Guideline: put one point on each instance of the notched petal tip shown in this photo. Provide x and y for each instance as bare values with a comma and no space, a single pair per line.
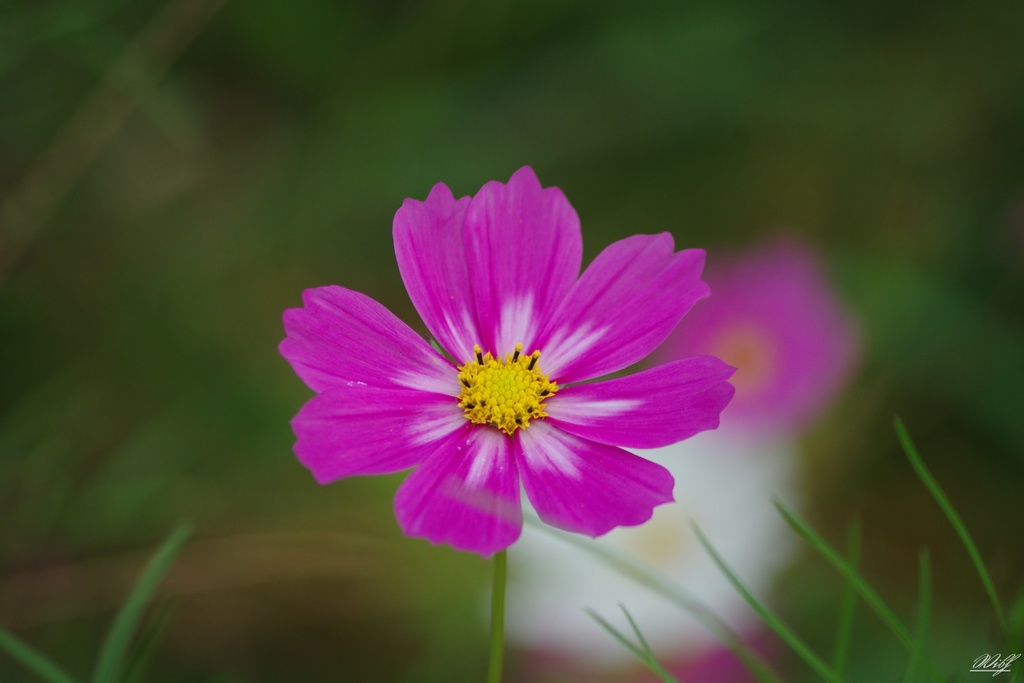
307,460
525,175
440,200
440,193
712,366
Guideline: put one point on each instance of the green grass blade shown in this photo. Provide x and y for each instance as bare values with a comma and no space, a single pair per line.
642,652
844,630
147,644
652,661
655,581
35,662
924,588
773,622
866,592
616,634
954,519
111,661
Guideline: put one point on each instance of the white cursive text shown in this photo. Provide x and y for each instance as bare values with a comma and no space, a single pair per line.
994,664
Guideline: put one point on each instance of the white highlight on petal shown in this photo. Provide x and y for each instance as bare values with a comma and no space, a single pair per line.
546,451
518,323
564,346
462,333
444,382
483,463
486,447
579,410
428,429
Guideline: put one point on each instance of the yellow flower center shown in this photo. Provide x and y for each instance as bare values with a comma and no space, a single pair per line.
504,394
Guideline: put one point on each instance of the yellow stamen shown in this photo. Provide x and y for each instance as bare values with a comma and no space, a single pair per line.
504,394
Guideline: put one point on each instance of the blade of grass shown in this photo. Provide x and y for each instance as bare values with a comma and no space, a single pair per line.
652,661
844,630
642,653
148,641
653,580
794,642
616,634
947,507
865,591
849,573
35,662
924,597
111,660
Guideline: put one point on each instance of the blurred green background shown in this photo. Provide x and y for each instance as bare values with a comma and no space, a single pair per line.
174,174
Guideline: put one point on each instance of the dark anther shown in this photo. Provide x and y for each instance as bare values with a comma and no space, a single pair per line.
471,405
466,383
479,358
544,392
533,361
515,356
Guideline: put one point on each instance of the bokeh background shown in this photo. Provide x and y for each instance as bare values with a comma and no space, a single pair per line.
174,173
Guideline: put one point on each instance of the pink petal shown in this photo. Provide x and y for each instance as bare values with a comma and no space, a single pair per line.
587,487
650,409
466,494
361,429
525,248
344,338
626,303
432,261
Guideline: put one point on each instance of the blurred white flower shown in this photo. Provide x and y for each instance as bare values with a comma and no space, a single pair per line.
725,486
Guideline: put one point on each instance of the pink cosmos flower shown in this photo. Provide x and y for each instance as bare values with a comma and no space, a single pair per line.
496,280
777,319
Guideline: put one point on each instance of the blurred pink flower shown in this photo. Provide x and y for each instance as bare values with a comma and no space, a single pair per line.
774,317
496,280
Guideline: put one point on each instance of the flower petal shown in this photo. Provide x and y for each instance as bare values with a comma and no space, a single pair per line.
587,487
466,494
343,338
626,303
524,248
361,429
432,261
649,409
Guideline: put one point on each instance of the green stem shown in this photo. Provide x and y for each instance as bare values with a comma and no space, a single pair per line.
497,619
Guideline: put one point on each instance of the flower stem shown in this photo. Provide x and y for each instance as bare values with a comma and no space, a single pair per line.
497,619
